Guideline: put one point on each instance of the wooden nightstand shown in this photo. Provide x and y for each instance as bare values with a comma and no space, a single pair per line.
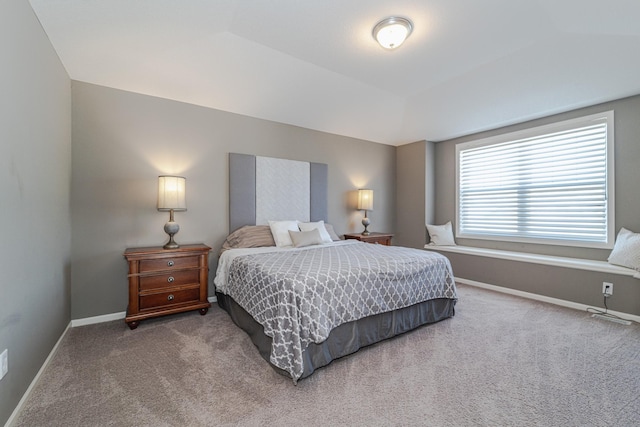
167,281
378,238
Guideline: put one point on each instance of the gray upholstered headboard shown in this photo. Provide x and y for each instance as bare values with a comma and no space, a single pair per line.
266,188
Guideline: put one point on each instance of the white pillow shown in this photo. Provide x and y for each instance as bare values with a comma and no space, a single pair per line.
305,238
308,226
441,235
280,232
626,251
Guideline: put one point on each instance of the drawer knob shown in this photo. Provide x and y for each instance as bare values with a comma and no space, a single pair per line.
170,263
170,279
170,297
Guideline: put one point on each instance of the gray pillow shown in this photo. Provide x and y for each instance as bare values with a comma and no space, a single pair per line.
331,232
319,225
305,238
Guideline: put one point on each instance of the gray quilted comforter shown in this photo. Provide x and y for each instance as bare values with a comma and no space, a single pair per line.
300,295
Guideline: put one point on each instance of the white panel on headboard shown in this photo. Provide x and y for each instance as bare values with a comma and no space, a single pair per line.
282,190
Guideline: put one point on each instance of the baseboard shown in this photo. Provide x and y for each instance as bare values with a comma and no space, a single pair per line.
98,319
537,297
113,316
27,393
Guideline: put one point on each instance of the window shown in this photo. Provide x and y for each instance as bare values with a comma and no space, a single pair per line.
551,184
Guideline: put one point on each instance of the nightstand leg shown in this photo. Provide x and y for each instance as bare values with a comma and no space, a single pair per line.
203,311
133,325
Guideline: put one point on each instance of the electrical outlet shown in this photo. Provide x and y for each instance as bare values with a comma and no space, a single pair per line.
607,289
4,363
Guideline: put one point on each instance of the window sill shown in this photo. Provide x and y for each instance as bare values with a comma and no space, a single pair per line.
576,263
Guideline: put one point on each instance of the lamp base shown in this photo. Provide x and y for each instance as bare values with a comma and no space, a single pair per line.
365,222
171,228
171,244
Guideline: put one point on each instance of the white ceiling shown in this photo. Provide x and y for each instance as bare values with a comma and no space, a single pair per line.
470,65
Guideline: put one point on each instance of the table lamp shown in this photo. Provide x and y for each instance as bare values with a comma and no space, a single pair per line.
172,197
365,203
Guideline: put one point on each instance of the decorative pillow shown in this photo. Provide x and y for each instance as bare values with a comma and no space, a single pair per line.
249,236
331,232
280,231
441,235
306,238
626,251
308,226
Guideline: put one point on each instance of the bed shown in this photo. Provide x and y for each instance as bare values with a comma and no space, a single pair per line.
319,298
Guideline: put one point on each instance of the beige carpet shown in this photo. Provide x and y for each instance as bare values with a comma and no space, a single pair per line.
501,361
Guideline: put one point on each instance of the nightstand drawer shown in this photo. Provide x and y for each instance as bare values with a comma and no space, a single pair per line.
169,298
149,265
173,278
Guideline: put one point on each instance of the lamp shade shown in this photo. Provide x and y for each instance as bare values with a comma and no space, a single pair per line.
365,200
172,193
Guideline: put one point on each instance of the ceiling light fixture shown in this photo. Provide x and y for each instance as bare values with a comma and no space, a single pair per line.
392,32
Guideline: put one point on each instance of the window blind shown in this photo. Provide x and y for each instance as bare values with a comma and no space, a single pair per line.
549,187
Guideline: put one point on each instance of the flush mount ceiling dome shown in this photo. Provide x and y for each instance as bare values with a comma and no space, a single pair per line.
392,32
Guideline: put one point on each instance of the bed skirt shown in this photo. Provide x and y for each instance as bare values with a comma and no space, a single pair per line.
348,337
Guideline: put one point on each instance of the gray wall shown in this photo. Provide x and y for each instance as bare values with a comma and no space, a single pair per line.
582,288
122,141
415,193
35,174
